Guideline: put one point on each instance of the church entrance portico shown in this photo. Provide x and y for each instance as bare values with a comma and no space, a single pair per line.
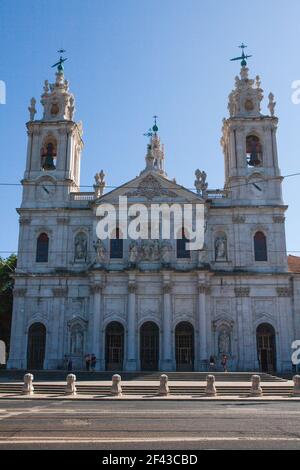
266,348
114,346
36,346
184,346
149,346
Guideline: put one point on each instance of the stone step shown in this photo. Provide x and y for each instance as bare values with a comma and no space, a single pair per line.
45,375
53,389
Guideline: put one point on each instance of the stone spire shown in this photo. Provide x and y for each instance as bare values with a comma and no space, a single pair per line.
245,99
155,151
57,101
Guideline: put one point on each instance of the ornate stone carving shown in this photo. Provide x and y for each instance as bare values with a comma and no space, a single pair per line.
132,287
133,253
116,388
278,219
149,187
59,291
28,388
71,385
167,288
96,288
224,341
256,390
210,389
200,183
19,291
271,104
163,389
100,250
204,289
32,109
238,219
242,291
166,253
284,291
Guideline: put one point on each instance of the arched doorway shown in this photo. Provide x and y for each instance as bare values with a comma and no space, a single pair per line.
266,347
36,346
184,345
114,346
149,346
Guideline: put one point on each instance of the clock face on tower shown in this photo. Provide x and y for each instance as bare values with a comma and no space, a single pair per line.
257,188
45,190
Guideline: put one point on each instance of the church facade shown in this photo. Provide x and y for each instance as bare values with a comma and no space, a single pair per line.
151,304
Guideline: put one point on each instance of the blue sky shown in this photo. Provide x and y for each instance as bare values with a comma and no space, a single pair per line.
130,59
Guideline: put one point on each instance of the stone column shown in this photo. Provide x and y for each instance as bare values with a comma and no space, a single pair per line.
131,362
97,345
17,355
55,350
167,362
203,353
247,359
285,336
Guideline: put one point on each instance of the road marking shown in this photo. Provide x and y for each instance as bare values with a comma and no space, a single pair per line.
112,440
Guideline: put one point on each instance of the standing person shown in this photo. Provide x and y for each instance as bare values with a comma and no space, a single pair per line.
87,362
93,362
66,362
212,363
224,362
70,364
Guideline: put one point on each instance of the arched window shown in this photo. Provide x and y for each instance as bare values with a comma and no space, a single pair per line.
42,248
182,252
116,245
260,247
48,154
253,150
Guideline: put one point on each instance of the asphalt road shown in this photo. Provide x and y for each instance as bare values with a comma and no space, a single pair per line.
28,424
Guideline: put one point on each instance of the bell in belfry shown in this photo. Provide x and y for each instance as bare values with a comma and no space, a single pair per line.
48,157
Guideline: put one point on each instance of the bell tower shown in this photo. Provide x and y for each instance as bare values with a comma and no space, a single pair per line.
54,144
249,143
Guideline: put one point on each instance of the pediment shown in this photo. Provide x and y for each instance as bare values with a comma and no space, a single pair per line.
151,187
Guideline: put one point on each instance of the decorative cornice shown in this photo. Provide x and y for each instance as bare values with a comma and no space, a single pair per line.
19,291
284,291
278,219
242,291
59,291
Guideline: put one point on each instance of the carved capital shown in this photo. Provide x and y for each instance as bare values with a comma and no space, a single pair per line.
167,288
284,291
203,289
24,220
60,291
132,287
96,288
278,219
19,291
242,291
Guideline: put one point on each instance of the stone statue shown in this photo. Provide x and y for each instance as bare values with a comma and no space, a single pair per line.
163,389
221,248
146,250
133,252
296,388
32,109
46,87
210,389
116,388
256,389
99,183
200,182
224,342
100,251
166,253
271,104
155,252
80,247
202,256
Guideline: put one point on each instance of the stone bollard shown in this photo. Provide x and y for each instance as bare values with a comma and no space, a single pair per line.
116,388
256,390
71,387
296,389
163,388
27,388
210,389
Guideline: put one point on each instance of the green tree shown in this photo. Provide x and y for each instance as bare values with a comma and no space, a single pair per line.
7,268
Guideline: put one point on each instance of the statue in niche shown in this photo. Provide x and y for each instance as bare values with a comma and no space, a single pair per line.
221,248
224,342
77,341
100,251
146,250
133,252
80,247
155,252
166,253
